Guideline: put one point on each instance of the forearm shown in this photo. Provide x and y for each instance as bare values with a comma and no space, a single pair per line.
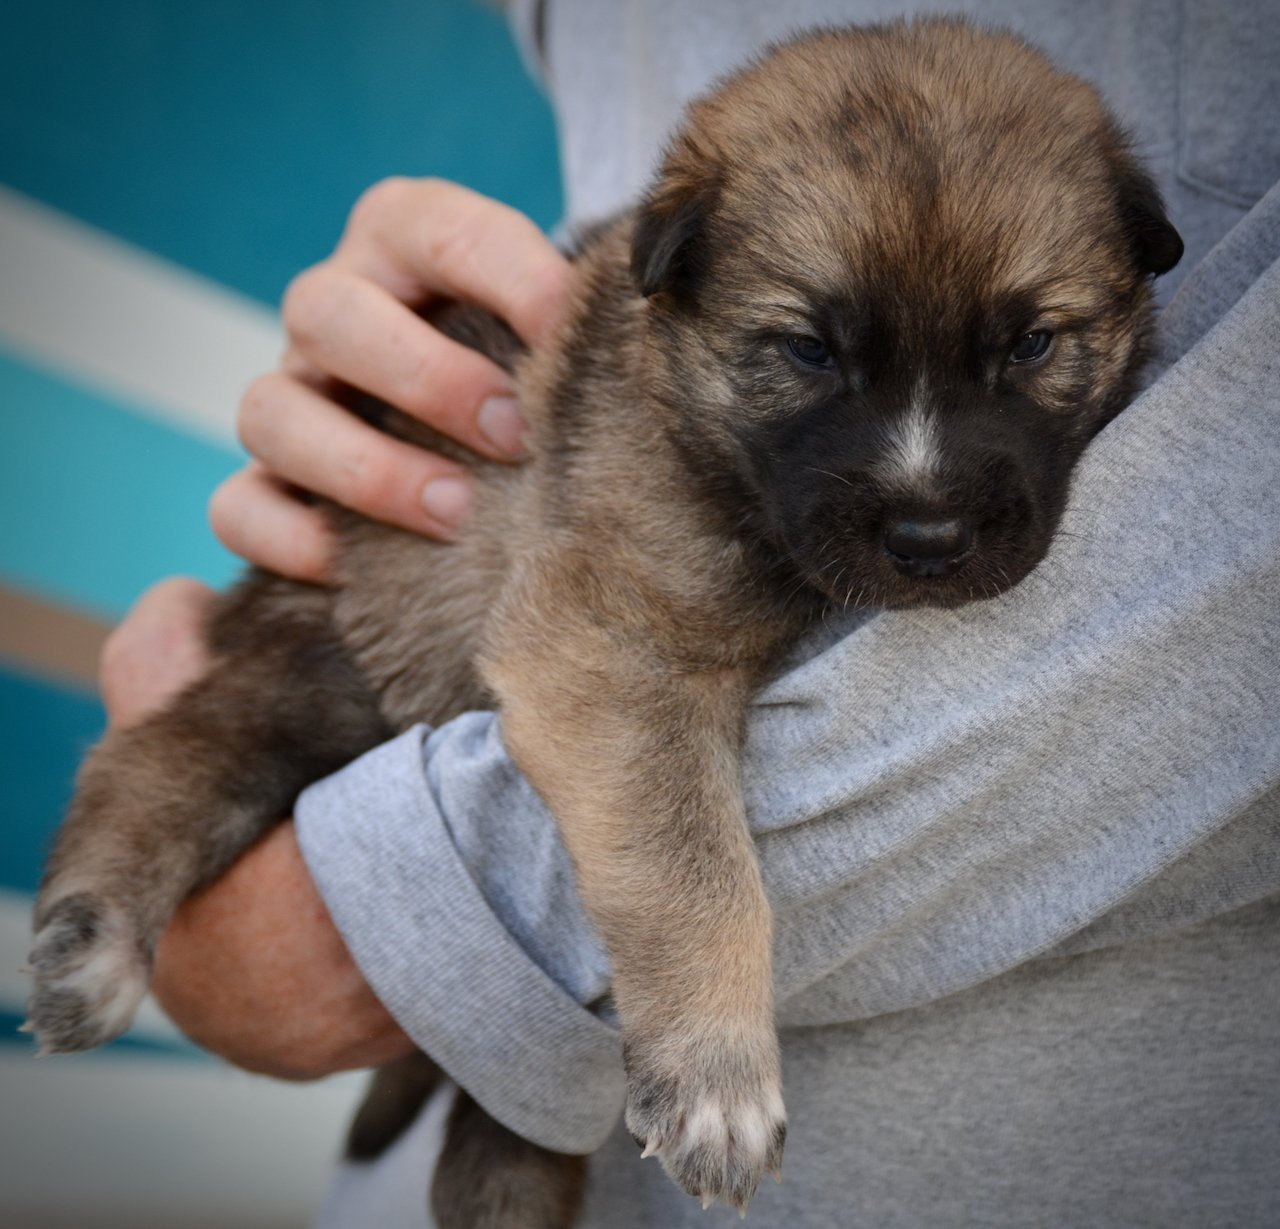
937,796
254,970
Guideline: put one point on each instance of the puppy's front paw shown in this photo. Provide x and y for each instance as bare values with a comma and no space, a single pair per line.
91,970
715,1120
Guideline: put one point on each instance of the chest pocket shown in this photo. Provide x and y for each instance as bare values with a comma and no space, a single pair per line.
1229,104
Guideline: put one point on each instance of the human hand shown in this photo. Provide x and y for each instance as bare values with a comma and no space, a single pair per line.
252,967
350,321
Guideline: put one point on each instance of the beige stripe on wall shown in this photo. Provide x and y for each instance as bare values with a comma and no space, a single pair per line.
120,320
48,639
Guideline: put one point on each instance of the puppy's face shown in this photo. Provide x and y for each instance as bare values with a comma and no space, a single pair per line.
897,280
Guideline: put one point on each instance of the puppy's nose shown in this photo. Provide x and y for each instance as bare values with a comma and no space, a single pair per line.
927,548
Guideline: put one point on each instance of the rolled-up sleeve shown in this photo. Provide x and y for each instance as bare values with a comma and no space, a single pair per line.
491,986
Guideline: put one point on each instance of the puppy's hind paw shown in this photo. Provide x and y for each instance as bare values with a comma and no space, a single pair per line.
90,970
714,1145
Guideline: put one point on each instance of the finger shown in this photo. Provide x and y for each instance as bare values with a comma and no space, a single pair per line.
254,515
349,327
422,237
306,439
157,650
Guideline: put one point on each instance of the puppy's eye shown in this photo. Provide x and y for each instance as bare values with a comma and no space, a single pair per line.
1031,346
811,351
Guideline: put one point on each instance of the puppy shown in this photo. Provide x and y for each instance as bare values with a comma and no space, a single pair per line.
886,287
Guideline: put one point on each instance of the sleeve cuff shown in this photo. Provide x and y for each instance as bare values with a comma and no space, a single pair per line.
387,867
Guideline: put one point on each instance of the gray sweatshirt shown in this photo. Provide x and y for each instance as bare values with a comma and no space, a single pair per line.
1023,856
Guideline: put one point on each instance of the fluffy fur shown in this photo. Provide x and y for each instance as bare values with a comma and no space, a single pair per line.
886,287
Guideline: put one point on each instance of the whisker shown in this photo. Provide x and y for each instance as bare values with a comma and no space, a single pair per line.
829,474
1052,575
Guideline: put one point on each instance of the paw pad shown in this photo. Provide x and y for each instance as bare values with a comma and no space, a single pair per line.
714,1145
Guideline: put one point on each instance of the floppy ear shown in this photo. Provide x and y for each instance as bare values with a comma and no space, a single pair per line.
1156,246
668,246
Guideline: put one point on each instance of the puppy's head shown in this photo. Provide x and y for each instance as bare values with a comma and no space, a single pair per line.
897,278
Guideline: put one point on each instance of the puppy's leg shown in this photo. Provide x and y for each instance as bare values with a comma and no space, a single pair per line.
486,1177
165,807
490,1178
396,1094
640,765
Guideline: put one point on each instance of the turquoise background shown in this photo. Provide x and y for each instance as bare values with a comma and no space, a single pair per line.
97,501
47,728
232,137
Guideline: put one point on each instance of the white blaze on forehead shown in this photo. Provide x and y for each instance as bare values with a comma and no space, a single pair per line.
912,456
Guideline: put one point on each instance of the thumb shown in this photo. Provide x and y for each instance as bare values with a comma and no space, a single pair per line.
156,651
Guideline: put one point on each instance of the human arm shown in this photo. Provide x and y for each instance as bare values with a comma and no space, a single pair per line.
937,796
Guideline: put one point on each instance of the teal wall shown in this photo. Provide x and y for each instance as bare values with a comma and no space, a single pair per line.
96,500
48,726
232,137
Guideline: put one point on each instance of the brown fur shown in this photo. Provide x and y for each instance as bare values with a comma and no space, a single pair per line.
916,197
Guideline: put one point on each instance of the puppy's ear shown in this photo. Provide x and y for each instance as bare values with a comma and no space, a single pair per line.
1156,245
668,246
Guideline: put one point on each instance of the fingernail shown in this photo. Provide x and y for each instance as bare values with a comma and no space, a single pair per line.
502,424
448,501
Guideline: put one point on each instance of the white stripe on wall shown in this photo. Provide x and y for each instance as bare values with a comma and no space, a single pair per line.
128,324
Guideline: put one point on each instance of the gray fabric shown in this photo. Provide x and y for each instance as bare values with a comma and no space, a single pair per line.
1020,854
1134,1088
